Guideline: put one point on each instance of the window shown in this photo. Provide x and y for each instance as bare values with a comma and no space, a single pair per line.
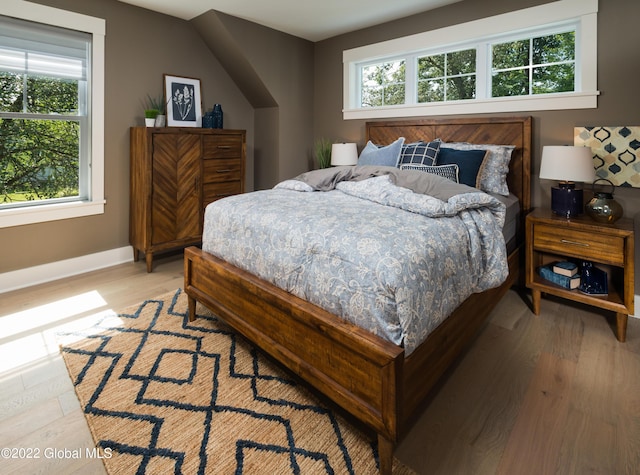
51,138
533,59
538,65
43,114
447,76
383,84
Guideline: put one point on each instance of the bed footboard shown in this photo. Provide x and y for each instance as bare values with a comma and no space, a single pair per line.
360,372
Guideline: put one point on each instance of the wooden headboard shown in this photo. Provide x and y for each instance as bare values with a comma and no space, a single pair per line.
479,130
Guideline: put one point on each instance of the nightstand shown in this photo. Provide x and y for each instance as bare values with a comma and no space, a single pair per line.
550,237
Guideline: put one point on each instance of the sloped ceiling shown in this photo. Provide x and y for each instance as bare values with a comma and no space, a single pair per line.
313,20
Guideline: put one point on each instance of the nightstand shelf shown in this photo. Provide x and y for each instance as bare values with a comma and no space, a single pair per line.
551,238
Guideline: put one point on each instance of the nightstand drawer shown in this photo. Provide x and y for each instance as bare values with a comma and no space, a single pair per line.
581,244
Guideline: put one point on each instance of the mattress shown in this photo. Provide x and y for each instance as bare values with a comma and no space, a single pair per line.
511,219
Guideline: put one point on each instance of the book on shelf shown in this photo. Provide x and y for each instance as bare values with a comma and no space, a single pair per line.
546,272
567,268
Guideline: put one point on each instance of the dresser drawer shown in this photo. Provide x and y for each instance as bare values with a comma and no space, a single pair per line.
222,146
215,191
227,169
580,244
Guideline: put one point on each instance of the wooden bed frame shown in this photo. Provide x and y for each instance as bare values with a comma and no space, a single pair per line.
365,375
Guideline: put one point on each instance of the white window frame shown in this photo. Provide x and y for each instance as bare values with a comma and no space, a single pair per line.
582,12
96,27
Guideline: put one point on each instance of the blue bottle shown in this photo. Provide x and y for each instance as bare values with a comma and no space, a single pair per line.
207,120
217,116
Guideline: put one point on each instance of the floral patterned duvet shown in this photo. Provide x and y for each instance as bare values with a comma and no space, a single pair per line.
389,260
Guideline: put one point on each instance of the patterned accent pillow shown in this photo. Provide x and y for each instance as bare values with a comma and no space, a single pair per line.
422,153
470,162
387,156
493,178
446,171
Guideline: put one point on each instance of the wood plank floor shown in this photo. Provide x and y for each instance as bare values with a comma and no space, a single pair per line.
553,394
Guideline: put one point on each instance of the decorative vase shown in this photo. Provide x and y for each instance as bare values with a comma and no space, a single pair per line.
602,207
207,120
150,121
217,116
161,120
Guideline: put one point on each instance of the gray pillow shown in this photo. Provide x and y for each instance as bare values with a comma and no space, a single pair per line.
387,156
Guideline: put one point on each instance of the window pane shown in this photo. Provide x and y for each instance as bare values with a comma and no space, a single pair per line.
554,48
461,88
394,94
431,67
52,96
510,83
431,91
11,92
39,160
555,78
514,54
440,77
383,84
371,96
461,62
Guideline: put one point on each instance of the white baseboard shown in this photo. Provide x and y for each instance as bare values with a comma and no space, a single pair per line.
79,265
57,270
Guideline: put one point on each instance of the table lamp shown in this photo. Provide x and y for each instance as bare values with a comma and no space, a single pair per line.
344,154
567,165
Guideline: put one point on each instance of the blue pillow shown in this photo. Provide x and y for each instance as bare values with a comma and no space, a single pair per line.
387,156
421,153
446,171
469,162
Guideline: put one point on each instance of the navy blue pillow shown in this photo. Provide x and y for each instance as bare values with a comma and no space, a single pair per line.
469,163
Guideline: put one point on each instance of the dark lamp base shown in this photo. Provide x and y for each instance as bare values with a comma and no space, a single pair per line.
566,200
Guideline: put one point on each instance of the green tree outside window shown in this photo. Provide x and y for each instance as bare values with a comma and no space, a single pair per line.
447,77
39,151
540,65
383,84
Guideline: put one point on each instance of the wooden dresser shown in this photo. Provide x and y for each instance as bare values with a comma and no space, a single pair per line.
175,174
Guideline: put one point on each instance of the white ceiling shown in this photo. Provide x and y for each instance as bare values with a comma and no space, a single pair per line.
313,20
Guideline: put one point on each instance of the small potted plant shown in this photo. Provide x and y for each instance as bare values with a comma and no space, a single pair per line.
323,153
154,115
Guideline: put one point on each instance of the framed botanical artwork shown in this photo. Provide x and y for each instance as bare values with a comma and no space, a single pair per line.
184,101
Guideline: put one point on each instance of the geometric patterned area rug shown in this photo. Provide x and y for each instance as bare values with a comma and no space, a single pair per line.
165,395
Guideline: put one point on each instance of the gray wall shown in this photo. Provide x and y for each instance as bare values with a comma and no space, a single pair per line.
141,46
263,79
618,72
275,71
285,92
